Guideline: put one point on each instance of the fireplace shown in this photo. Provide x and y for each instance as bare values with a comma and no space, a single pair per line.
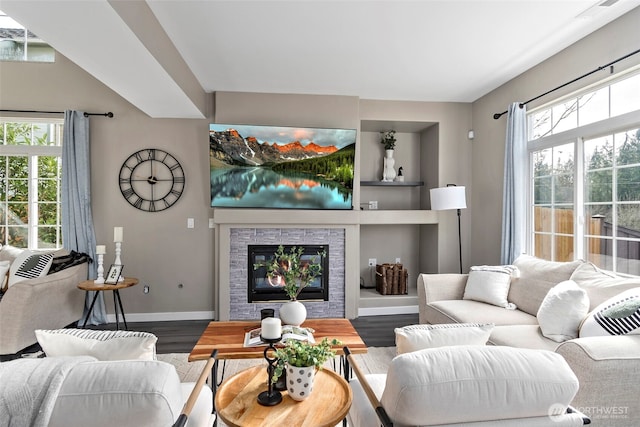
261,288
240,238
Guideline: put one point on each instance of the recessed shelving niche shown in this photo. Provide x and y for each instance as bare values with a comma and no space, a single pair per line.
402,226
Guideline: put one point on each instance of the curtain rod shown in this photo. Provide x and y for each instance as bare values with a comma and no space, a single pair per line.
610,64
109,114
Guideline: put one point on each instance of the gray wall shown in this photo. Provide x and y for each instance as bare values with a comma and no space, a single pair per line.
158,248
609,43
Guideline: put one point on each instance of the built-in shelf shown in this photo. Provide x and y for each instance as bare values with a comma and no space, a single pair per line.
391,183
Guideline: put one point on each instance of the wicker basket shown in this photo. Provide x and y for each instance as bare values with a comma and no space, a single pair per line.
391,279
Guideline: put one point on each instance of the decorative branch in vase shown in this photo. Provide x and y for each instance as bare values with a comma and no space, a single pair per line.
388,139
293,273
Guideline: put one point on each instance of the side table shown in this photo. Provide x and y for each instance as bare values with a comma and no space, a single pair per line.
90,285
236,401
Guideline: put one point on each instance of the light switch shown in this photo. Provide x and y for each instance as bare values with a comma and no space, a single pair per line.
212,223
190,223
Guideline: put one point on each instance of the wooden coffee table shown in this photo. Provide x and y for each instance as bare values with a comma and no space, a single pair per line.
228,338
237,402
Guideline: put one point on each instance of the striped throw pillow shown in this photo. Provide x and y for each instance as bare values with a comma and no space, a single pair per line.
619,315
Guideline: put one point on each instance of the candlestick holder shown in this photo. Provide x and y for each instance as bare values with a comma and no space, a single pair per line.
270,397
117,260
100,279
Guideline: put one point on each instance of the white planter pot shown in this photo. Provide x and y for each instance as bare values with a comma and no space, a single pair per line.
300,381
293,313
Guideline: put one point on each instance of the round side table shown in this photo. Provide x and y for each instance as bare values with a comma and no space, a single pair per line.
236,401
91,286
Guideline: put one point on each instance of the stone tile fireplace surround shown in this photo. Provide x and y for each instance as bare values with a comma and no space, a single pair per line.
240,238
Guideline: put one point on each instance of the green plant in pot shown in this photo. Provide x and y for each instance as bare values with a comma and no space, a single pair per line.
300,360
291,270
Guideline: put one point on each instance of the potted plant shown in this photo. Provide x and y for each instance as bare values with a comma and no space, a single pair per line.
300,360
293,273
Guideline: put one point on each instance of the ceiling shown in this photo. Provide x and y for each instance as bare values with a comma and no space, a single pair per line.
163,56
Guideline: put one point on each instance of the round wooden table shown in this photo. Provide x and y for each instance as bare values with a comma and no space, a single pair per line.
237,404
91,286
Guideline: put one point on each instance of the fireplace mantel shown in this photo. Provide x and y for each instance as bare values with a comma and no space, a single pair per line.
350,221
285,217
226,220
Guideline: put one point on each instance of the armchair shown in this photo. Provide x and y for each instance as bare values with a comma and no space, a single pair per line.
467,386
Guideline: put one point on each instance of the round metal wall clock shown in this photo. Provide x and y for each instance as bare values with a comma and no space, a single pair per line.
151,180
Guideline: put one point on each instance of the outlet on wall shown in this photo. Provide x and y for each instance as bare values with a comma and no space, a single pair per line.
145,289
372,262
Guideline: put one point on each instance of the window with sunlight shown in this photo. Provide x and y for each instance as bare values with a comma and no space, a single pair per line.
30,172
585,177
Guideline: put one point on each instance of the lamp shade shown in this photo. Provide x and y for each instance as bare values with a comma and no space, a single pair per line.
444,198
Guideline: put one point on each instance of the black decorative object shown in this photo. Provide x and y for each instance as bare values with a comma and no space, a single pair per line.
151,180
271,397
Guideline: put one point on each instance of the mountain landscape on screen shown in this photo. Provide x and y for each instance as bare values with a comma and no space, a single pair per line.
281,167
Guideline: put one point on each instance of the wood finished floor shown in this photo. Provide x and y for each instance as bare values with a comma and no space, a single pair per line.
181,336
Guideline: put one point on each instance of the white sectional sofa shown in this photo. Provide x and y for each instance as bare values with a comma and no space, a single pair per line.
46,302
606,366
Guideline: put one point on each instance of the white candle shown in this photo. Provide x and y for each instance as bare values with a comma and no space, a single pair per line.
117,234
101,250
271,328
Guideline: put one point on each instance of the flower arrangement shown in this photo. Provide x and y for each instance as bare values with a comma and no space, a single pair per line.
388,139
302,353
290,268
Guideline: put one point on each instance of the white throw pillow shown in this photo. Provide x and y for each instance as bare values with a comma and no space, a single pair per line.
29,265
462,384
619,315
4,268
562,311
103,345
418,337
490,284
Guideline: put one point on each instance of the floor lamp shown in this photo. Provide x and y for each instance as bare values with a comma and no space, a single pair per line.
450,197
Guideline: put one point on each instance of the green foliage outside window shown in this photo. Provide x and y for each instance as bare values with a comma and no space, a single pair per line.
14,187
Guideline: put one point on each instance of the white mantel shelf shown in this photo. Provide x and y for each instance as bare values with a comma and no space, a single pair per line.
285,216
317,217
381,217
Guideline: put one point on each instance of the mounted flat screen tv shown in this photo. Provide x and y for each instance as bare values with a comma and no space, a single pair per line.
281,167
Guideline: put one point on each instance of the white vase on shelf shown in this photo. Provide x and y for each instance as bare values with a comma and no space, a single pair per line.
389,173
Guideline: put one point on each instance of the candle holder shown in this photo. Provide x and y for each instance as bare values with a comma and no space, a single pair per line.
100,279
270,397
117,260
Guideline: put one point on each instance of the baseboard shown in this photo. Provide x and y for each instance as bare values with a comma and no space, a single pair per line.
385,311
164,317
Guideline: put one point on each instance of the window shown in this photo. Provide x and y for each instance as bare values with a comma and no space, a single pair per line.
585,177
19,44
30,172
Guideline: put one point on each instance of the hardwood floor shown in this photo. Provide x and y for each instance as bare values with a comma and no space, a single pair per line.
181,336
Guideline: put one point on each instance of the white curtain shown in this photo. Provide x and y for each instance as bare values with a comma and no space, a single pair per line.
77,220
515,186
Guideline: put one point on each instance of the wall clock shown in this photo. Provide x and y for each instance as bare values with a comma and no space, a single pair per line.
151,180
